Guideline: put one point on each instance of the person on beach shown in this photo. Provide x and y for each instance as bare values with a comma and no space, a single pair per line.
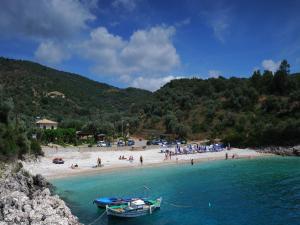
232,156
99,162
192,162
226,155
141,160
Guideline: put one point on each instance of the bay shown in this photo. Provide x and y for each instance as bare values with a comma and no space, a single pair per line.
262,191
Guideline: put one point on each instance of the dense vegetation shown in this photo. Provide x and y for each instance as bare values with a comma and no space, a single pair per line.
87,105
258,111
13,133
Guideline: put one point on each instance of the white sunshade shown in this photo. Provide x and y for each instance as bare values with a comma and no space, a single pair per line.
138,202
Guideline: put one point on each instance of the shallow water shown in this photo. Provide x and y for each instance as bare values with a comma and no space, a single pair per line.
262,191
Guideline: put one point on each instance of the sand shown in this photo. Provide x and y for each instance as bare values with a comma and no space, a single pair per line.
86,158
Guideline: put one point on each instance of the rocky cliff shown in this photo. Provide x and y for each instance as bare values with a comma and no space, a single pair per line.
283,151
26,199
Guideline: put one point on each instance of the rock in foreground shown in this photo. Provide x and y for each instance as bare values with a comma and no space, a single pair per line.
26,199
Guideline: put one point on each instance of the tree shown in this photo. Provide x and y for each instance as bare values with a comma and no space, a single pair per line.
266,82
280,83
284,67
256,80
13,137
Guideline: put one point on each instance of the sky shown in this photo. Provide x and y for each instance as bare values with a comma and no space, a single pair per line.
147,43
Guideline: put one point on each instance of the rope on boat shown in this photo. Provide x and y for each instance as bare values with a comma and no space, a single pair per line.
98,218
178,206
72,205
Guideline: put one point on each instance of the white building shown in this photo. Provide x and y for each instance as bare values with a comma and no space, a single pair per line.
46,124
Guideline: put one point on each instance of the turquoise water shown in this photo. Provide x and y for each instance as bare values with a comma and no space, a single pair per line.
253,192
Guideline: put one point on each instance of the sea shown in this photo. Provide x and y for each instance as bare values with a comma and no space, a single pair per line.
261,191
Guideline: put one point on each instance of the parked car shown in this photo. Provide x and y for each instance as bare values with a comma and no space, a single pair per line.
120,143
58,161
172,143
130,142
101,144
164,142
181,141
156,142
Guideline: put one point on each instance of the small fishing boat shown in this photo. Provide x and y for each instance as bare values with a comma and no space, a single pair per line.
111,201
135,208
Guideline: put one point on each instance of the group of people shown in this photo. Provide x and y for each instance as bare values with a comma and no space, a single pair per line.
123,158
74,166
99,161
233,156
196,148
131,158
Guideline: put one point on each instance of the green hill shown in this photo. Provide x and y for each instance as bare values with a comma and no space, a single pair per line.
262,110
40,91
257,111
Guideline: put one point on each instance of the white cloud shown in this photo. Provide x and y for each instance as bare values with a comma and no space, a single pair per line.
90,4
184,22
44,18
219,20
214,73
270,65
51,53
129,5
148,51
152,83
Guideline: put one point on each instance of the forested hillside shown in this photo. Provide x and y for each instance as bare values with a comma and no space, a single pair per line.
262,110
257,111
39,91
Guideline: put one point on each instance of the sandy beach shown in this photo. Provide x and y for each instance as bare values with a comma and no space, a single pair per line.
87,160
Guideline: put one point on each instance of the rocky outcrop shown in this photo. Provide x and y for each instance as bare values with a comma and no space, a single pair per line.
26,199
283,151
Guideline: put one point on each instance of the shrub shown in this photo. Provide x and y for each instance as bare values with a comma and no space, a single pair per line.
35,148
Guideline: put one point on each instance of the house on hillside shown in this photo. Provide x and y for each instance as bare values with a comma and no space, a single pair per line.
56,94
46,124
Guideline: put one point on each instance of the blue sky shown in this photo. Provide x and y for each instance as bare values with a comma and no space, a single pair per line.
146,43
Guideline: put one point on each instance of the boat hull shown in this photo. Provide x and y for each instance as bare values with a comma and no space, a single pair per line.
128,214
133,212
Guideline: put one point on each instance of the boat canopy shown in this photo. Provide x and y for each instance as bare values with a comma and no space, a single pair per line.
138,202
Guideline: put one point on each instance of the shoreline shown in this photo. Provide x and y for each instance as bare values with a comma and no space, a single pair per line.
147,166
152,158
